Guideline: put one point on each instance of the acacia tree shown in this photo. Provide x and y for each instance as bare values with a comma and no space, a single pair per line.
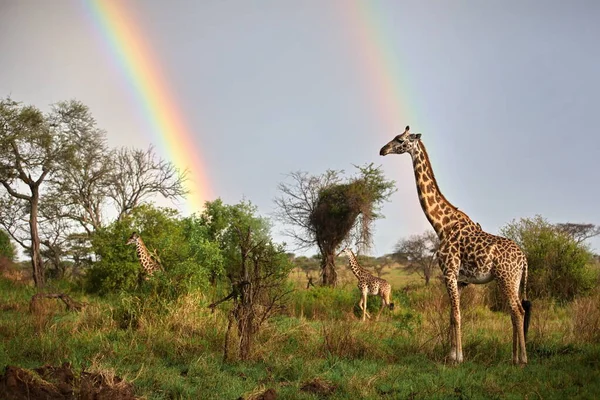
579,232
138,175
418,252
326,210
32,147
80,189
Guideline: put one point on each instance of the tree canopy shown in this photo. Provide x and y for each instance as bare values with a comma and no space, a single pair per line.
326,210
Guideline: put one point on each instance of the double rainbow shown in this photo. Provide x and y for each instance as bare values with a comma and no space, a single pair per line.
128,47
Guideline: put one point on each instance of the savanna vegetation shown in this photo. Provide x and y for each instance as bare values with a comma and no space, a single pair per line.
233,314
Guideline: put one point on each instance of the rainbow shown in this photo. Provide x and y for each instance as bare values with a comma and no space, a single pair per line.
127,46
380,64
380,68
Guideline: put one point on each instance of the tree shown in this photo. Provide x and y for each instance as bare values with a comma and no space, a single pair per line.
256,267
80,189
379,264
325,210
418,253
32,147
557,262
138,175
579,232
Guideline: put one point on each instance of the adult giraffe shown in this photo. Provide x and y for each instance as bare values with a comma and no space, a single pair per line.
467,254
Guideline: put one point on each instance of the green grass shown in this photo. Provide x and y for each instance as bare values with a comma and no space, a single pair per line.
178,353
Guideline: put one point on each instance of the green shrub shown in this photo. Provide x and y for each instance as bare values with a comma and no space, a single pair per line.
7,248
559,267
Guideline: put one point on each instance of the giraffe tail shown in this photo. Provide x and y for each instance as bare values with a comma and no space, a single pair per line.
391,306
527,307
525,303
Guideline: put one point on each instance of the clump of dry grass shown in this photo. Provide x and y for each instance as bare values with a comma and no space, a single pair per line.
341,339
585,314
10,271
42,312
95,317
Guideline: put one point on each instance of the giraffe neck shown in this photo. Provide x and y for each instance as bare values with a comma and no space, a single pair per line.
354,266
439,211
142,251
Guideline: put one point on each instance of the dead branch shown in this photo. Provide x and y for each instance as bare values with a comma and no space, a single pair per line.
71,304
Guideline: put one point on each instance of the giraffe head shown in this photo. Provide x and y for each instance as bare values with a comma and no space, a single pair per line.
346,250
133,238
403,143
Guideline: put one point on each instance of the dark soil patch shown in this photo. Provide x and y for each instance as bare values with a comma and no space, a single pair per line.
61,383
319,387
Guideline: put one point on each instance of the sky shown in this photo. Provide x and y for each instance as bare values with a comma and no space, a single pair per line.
505,94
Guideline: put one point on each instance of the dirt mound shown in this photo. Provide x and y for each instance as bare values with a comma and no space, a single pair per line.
61,383
319,387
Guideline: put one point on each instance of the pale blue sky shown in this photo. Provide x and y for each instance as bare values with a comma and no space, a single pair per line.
506,95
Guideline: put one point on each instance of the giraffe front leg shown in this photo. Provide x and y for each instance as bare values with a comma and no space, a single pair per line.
456,353
363,306
366,297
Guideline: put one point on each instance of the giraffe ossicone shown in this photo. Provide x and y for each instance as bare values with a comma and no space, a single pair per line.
369,285
467,254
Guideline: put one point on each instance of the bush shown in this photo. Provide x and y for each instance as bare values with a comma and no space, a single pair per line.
118,269
559,267
110,277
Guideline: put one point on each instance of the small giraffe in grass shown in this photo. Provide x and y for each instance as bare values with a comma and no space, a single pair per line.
467,254
369,285
149,265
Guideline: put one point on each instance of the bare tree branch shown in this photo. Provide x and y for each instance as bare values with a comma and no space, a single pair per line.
138,175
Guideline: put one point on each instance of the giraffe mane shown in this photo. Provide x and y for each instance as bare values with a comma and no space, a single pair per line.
435,183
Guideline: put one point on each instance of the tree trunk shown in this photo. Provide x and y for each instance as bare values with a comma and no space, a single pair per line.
246,316
36,255
329,272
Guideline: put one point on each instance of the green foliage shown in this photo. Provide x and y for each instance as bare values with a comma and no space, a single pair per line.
7,249
558,265
204,249
339,205
236,229
163,233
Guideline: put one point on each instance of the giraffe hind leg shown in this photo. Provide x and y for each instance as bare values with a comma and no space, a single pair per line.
517,316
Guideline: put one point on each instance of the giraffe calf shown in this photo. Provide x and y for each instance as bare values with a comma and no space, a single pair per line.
369,285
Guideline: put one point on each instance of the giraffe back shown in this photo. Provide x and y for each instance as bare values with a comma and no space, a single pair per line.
482,256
